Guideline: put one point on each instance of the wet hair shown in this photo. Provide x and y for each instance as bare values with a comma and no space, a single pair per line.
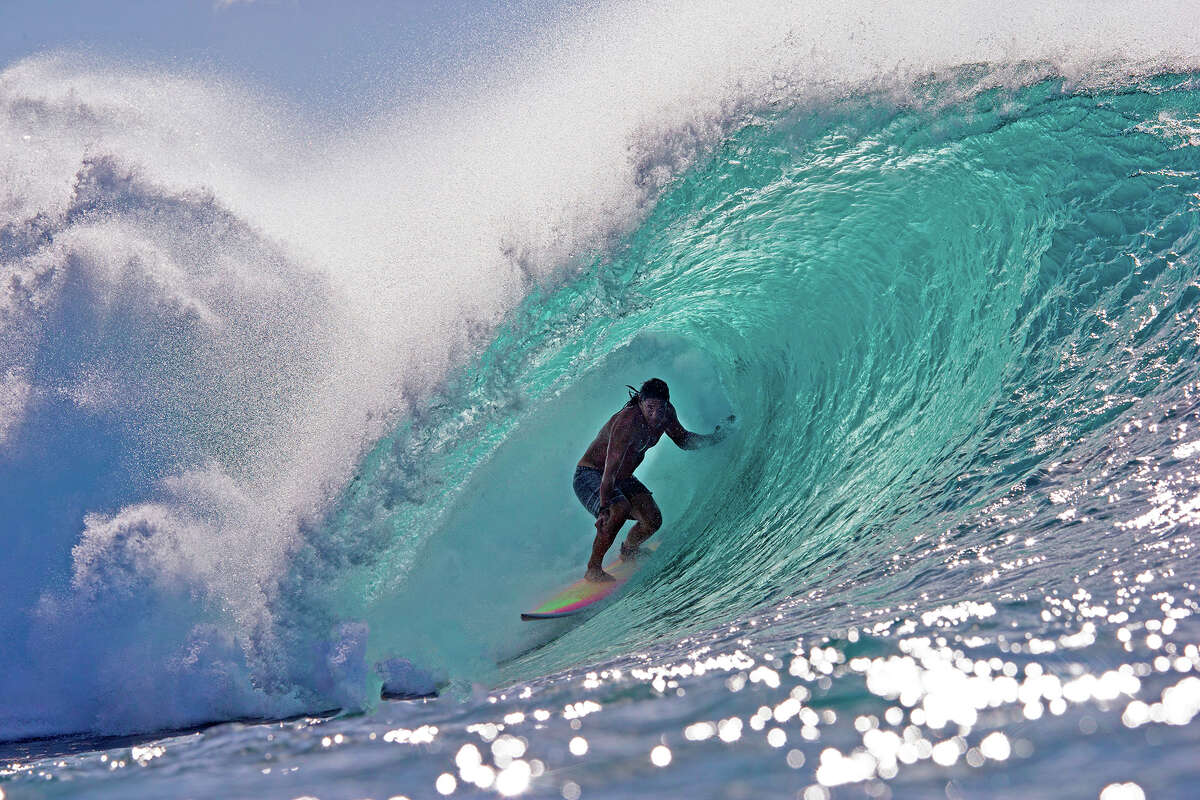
655,388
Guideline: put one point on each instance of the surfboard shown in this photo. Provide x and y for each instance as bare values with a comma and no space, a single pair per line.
584,594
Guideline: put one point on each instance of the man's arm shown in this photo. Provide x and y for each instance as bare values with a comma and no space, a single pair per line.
686,440
619,440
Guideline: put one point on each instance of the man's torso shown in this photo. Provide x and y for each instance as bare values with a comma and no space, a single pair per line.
642,438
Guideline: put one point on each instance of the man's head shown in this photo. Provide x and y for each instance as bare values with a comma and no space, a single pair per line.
652,399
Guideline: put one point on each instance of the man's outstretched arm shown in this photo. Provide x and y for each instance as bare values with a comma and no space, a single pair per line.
686,440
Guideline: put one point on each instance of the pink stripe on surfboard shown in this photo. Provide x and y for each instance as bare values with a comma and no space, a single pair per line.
548,609
585,601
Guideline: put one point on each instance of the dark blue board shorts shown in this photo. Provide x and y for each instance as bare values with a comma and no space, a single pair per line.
587,488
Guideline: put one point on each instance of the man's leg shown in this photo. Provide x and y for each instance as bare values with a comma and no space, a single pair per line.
649,519
606,532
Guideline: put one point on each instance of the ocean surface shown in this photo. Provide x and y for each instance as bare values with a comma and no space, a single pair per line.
288,417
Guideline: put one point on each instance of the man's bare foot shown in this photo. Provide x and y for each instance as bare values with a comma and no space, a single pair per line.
597,575
629,552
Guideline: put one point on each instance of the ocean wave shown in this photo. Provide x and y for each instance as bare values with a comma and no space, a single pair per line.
267,400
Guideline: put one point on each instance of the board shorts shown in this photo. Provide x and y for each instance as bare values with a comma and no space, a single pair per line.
587,488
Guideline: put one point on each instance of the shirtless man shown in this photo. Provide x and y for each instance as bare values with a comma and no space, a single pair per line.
604,480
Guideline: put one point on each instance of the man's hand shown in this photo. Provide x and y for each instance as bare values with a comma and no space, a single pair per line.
718,433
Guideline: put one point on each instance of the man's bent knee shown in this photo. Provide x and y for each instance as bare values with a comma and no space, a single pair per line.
649,522
620,510
649,518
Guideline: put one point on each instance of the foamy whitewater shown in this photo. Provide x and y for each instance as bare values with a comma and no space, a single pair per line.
288,414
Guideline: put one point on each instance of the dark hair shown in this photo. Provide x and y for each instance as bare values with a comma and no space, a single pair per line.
651,389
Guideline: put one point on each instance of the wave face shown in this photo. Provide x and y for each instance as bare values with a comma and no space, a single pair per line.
274,413
938,325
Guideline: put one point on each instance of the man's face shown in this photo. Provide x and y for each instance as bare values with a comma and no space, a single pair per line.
654,410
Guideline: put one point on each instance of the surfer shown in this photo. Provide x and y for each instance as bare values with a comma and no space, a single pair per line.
604,480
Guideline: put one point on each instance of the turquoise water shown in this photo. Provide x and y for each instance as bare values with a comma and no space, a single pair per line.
920,316
947,551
